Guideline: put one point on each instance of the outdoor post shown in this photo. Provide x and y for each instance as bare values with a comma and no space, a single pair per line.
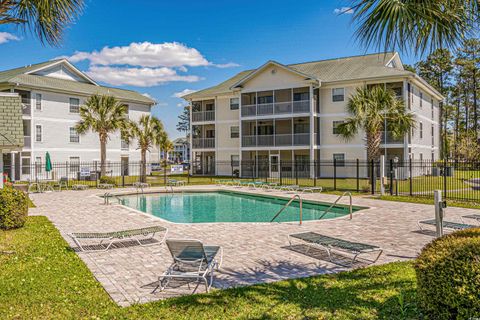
358,176
231,165
410,182
334,173
372,175
122,171
315,173
445,177
280,169
382,174
391,177
96,175
296,173
164,172
438,212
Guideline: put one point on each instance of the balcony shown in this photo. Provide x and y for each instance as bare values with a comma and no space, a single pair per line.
26,107
203,143
277,140
278,108
390,139
202,116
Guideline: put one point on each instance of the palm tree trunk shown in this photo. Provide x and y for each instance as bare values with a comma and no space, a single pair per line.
143,166
103,154
373,145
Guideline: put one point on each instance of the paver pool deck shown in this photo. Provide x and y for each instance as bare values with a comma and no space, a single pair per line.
253,252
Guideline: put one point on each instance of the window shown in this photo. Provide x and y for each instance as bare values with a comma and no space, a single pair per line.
421,130
234,103
339,159
210,134
338,94
409,95
124,145
74,137
234,132
421,99
301,96
235,160
38,164
25,165
335,126
74,105
74,164
38,101
38,133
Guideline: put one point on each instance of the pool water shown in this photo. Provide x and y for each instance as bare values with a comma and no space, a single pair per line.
201,207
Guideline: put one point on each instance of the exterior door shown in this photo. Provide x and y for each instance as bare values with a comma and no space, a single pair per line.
125,166
274,166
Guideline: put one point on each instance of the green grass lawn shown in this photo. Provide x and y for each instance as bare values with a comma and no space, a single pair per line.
44,279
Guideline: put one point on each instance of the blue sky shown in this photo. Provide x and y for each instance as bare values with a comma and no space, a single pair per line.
164,47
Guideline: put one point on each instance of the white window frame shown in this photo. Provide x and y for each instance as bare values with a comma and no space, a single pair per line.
70,105
77,164
334,95
38,102
238,132
70,135
342,162
36,133
333,126
237,104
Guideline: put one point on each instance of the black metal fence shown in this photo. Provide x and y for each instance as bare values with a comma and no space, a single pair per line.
413,178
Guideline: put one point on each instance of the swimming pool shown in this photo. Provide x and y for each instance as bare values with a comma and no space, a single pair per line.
222,206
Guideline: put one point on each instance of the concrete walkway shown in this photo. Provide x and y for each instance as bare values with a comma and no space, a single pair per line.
253,252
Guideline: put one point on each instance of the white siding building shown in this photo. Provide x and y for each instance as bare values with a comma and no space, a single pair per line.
289,112
51,94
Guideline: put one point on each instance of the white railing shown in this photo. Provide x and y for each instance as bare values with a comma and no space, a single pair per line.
200,116
203,143
288,107
277,140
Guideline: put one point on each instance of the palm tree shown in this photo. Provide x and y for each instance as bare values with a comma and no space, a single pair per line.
103,115
415,25
46,18
148,132
370,108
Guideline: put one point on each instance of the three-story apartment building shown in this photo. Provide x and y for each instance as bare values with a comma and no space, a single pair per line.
289,113
51,95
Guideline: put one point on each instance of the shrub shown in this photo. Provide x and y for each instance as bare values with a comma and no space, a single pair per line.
448,276
13,208
109,180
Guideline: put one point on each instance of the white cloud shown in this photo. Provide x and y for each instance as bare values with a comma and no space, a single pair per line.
182,104
343,10
139,77
145,54
6,37
226,65
183,93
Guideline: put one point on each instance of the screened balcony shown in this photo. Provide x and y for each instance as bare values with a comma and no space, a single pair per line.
276,102
203,111
276,132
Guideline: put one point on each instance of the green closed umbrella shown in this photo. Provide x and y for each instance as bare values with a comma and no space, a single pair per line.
48,163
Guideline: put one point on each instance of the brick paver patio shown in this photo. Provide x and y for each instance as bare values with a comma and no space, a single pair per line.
253,252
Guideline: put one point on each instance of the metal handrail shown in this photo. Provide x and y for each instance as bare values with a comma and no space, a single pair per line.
336,201
108,195
287,204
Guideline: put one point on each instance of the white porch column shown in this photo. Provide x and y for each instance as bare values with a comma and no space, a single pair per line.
13,167
312,132
190,138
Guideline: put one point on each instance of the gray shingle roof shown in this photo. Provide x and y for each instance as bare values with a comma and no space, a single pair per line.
340,69
18,76
11,124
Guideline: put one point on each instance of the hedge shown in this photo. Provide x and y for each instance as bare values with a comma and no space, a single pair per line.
448,276
13,208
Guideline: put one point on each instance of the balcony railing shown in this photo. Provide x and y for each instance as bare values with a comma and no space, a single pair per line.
391,139
200,116
26,106
277,140
264,109
203,143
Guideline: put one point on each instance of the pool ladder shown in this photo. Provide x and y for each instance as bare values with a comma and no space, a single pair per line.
336,201
108,195
295,196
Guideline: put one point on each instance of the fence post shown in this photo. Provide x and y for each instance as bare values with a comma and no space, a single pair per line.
314,173
188,171
164,172
410,182
122,169
267,171
96,175
391,177
372,176
231,165
280,170
358,176
445,178
334,174
296,173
